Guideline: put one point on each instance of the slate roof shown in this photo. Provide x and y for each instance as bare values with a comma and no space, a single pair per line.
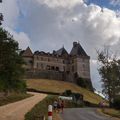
62,52
27,53
78,50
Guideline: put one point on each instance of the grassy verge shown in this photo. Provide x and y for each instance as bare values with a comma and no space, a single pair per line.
40,108
13,98
111,112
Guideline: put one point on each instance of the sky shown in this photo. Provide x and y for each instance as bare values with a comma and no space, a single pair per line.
47,25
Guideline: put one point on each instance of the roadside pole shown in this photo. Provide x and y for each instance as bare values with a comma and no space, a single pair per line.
50,112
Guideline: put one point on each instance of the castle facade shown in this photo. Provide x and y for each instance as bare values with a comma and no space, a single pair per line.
59,65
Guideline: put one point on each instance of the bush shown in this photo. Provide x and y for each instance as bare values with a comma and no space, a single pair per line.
67,93
116,102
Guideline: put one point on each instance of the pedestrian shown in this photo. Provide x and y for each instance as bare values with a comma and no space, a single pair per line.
58,106
55,105
62,105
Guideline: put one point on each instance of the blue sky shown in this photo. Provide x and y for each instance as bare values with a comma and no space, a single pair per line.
105,3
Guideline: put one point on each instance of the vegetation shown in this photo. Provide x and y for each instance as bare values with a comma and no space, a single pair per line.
110,74
85,83
60,86
41,108
111,112
1,16
10,64
116,102
13,98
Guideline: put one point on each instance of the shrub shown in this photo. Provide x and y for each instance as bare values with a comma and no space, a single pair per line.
67,93
116,102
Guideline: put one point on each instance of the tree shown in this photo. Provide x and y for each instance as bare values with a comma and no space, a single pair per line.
11,70
110,74
1,16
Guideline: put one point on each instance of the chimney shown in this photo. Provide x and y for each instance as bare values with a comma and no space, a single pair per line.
74,44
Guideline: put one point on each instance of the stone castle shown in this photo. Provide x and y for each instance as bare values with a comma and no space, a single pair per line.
59,65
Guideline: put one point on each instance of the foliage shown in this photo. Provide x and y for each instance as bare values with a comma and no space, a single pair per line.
13,97
40,108
68,92
1,16
116,102
110,74
10,64
85,83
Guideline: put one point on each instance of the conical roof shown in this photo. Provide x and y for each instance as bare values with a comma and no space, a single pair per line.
77,50
62,52
27,53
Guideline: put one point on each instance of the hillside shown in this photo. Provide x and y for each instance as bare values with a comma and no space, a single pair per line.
60,86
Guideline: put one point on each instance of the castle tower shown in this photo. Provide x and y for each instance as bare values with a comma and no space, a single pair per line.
28,59
80,63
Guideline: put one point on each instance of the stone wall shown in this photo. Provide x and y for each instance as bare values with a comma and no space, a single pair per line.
45,75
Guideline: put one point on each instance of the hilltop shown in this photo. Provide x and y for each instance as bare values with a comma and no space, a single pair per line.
60,86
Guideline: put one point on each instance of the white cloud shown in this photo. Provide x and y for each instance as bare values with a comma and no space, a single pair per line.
10,10
60,3
115,2
21,38
52,23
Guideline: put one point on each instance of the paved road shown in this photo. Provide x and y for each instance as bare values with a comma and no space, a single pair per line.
17,110
83,114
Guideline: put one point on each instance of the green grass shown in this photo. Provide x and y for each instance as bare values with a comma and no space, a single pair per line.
13,98
40,108
111,112
60,87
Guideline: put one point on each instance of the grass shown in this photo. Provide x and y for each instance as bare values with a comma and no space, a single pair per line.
61,86
13,98
41,108
111,112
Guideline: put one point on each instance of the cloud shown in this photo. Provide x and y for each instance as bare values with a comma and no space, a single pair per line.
52,23
10,10
60,3
21,37
115,2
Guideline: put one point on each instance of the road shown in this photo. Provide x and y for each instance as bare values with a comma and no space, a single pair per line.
83,114
17,110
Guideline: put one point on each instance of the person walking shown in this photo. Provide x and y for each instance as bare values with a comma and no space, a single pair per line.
55,105
62,105
58,106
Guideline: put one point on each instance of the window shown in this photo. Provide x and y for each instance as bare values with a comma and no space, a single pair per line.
72,68
48,59
41,58
57,68
37,65
63,68
48,67
41,66
53,68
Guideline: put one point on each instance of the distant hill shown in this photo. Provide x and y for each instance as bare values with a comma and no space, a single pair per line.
60,86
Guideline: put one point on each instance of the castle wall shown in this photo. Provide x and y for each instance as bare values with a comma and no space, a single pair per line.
53,75
83,67
49,63
28,63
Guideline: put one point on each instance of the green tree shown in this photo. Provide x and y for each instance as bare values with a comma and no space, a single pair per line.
1,16
110,74
11,70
